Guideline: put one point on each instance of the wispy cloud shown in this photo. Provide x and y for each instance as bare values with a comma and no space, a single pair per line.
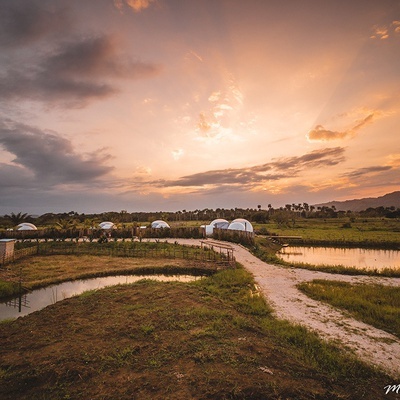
383,32
319,133
248,178
221,116
367,171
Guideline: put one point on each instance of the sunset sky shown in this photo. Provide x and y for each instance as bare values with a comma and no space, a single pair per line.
149,105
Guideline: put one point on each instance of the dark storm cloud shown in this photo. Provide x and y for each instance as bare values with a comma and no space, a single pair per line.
49,158
281,168
95,57
14,176
75,72
24,22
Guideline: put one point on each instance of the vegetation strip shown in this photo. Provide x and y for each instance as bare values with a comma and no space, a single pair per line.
376,305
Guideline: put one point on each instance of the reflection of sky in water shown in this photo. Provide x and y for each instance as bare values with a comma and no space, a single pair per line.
359,258
38,299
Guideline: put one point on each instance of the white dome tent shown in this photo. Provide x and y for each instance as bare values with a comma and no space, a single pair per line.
236,226
216,223
248,227
26,226
107,225
159,224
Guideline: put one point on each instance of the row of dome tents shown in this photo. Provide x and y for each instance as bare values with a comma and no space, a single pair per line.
238,224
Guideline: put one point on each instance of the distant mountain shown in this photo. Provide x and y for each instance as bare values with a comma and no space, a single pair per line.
388,200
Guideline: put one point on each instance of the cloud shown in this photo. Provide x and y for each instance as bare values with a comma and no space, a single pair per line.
222,118
95,57
76,71
47,157
383,32
246,178
177,154
135,5
367,171
203,124
25,22
319,133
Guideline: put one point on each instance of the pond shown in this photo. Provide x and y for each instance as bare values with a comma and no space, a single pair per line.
40,298
355,257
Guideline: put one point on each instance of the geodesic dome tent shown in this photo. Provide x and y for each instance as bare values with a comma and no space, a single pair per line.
26,226
247,225
107,225
220,223
216,223
159,224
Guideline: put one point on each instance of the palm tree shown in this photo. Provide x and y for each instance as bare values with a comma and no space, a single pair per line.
65,224
17,219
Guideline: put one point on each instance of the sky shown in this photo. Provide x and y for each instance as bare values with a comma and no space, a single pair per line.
165,105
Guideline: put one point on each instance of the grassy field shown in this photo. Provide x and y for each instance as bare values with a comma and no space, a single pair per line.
364,232
210,339
376,305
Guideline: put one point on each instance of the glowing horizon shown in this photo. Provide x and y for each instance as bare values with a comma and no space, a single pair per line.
149,105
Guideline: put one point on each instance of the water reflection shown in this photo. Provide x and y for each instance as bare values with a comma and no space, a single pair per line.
359,258
38,299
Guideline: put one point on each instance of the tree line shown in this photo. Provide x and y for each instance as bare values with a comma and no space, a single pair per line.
281,215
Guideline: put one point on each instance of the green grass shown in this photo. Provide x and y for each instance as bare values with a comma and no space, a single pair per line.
363,232
376,305
9,289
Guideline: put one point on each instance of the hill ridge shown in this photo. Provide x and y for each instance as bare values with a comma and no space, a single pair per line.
388,200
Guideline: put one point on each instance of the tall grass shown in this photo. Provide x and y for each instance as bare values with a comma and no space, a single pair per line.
8,289
376,305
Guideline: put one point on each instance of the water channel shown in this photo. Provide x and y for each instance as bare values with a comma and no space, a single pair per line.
40,298
355,257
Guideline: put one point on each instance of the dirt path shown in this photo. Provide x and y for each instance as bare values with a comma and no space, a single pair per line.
278,285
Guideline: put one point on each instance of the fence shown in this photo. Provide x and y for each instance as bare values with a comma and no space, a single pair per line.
17,254
139,250
242,237
92,234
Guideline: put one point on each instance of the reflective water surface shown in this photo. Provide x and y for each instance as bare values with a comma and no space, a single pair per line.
359,258
38,299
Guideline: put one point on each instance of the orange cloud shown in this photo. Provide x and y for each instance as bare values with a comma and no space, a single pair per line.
384,32
135,5
319,133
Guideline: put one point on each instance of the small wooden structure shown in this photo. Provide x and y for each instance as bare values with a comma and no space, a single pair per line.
223,248
6,250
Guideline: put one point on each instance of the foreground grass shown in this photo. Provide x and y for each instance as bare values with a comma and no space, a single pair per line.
211,339
376,305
